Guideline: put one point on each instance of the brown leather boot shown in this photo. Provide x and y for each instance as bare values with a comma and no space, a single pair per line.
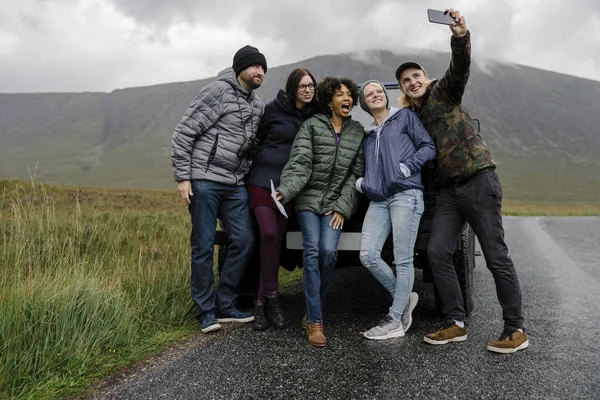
315,334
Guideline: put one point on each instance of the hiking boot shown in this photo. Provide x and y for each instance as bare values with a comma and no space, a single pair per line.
449,332
260,317
235,315
388,328
315,334
510,341
407,320
275,312
208,323
304,321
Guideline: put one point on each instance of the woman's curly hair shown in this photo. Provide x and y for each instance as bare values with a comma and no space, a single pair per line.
327,87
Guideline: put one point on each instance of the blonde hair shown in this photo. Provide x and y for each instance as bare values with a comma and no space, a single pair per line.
405,102
376,84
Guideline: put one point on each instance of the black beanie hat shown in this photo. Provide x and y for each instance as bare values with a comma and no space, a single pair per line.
246,57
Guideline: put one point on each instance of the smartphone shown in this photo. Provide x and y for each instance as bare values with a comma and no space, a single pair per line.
440,17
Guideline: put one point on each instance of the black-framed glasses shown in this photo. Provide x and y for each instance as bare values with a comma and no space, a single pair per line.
310,87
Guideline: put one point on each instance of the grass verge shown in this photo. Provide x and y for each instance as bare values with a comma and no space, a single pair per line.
91,280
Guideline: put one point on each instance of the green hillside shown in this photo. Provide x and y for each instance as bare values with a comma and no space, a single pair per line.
542,127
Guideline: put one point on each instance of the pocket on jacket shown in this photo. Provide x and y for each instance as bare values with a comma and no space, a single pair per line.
398,175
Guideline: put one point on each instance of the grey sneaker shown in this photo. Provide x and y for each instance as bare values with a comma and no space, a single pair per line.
388,328
413,299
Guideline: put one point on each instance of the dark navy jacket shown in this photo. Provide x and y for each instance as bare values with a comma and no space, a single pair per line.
276,132
401,138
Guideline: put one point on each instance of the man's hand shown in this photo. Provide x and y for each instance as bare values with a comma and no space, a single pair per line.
185,190
278,196
337,220
459,29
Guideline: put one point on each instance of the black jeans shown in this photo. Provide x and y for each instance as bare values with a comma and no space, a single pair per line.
477,201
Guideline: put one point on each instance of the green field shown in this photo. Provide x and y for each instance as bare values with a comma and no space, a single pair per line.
93,279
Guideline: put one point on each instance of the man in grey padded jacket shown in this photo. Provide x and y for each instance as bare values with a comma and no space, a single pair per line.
209,157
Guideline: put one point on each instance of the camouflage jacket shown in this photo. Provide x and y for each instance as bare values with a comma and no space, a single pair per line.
461,151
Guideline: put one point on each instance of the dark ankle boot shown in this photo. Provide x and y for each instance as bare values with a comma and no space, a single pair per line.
260,317
275,312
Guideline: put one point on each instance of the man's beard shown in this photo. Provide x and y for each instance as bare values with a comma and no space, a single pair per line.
249,81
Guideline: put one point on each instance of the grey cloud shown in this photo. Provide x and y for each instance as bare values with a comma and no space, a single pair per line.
161,14
306,28
31,20
549,35
151,11
543,37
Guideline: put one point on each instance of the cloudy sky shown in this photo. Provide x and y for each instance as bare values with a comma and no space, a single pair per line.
102,45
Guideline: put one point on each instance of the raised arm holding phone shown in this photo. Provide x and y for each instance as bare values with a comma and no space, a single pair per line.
471,193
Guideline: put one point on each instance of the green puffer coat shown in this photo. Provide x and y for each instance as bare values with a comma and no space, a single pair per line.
320,175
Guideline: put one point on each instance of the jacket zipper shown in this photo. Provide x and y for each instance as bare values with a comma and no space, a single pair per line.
249,101
334,160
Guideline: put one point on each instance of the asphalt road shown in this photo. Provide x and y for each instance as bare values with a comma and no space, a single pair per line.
559,267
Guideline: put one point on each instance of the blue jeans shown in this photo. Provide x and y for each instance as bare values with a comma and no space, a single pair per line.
319,253
230,204
399,214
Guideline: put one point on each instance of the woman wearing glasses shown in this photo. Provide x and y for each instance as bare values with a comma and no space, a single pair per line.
278,127
320,177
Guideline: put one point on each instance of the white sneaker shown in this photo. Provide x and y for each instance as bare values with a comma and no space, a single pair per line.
388,328
413,299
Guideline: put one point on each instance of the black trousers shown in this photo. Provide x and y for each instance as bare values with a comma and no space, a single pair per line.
477,201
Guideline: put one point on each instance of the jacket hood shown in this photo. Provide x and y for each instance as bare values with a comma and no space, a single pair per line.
372,127
282,102
228,75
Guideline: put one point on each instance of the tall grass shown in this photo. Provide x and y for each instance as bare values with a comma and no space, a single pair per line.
82,291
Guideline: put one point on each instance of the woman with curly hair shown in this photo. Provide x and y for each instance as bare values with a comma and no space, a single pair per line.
278,127
320,176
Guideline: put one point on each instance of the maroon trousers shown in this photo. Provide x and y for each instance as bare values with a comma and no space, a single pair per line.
272,225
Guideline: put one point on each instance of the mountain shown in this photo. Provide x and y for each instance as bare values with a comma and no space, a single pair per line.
542,127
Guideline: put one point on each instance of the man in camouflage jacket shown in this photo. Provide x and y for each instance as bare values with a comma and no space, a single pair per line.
471,192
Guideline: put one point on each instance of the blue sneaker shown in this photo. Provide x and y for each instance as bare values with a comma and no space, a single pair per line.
235,315
208,323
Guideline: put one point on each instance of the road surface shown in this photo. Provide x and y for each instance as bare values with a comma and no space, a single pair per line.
557,259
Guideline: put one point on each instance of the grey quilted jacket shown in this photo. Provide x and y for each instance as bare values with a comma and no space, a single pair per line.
222,117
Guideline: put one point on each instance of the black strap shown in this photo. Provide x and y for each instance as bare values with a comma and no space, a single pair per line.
244,121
